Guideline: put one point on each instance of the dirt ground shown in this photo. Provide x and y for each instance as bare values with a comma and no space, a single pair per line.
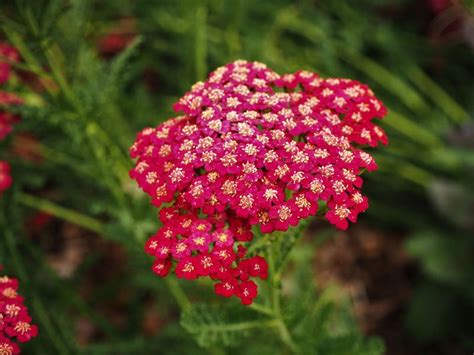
379,277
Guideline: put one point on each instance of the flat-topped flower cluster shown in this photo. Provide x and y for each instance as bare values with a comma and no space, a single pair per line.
15,322
253,148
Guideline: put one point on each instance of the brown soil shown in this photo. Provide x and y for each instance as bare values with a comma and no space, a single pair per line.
379,277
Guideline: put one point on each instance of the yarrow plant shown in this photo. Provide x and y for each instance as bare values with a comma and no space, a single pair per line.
8,55
253,148
15,322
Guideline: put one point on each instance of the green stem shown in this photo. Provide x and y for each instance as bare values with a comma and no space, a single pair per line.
285,334
61,158
53,56
384,77
95,133
412,130
261,241
437,94
234,327
26,67
61,212
261,309
416,175
40,310
28,57
178,293
283,331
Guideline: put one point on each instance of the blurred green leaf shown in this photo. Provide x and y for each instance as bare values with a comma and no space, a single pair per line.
445,258
454,201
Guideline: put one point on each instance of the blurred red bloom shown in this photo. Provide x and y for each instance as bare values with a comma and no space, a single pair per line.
5,177
118,38
8,55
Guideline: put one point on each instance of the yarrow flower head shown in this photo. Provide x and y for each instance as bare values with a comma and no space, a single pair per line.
15,322
253,148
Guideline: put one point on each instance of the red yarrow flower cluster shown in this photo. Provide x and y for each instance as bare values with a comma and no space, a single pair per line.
8,55
254,148
15,322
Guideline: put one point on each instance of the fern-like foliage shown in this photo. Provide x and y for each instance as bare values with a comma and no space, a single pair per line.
218,325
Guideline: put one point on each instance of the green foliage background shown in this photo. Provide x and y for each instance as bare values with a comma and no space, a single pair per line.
89,119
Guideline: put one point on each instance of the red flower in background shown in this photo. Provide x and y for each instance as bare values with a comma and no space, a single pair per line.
7,98
8,55
244,153
118,38
15,322
27,147
452,20
5,177
7,120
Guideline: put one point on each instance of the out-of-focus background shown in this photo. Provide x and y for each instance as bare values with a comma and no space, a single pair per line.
93,73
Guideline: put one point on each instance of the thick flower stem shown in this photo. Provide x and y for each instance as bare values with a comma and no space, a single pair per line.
283,331
285,334
178,293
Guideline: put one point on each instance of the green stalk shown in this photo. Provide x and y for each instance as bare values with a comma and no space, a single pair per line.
242,325
409,128
283,331
54,55
178,293
95,133
26,67
261,241
66,214
414,174
261,309
31,63
439,96
58,157
385,78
